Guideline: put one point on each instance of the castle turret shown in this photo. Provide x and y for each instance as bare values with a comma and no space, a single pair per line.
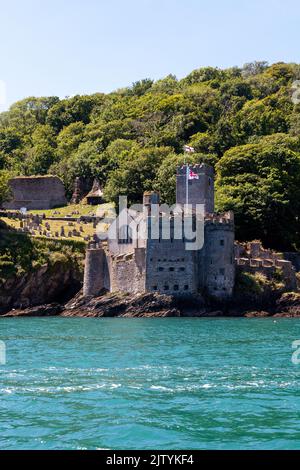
195,185
217,263
94,272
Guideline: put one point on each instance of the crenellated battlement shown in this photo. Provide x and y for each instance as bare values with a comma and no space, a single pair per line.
226,218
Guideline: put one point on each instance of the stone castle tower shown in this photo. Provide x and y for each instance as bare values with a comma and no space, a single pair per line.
161,262
198,189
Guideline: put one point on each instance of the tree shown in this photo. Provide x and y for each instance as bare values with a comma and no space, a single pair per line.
135,174
141,87
4,187
261,184
254,68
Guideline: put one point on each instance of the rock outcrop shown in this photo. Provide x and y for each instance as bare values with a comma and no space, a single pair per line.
41,286
151,305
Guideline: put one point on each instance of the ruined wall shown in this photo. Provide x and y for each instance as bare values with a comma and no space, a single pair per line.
38,192
253,258
216,261
82,186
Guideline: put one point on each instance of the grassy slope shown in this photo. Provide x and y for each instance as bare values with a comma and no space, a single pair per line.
20,253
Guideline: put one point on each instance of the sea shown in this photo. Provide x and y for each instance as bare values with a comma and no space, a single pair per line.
168,383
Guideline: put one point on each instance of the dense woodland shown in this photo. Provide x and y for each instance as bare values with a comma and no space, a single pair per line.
241,120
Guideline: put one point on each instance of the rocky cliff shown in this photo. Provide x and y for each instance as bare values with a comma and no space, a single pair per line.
58,282
37,271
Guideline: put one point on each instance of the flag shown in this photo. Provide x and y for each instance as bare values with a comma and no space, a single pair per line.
192,175
188,149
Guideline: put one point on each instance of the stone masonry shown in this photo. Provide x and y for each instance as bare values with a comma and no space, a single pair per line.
253,258
166,265
36,192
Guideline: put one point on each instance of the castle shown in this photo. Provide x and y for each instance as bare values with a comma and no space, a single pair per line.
166,263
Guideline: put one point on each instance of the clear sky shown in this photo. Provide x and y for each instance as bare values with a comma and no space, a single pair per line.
65,47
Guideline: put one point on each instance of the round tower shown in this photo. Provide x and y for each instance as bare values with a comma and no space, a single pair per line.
93,281
219,255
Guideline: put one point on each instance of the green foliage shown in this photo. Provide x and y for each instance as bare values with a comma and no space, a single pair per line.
248,284
240,120
4,188
255,287
20,254
261,183
135,173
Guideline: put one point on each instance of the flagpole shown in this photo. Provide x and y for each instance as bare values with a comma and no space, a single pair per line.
187,149
187,186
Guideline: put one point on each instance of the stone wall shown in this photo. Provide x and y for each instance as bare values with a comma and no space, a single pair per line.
200,191
217,267
128,272
82,186
36,192
253,258
96,272
171,269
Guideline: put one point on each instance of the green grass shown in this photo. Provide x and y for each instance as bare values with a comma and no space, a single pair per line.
83,209
20,253
55,226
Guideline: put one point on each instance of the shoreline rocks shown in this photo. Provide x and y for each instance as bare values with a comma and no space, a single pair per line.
152,305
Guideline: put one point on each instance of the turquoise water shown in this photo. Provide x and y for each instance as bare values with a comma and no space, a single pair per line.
149,384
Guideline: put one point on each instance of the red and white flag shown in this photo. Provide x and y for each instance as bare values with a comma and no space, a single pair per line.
188,149
192,175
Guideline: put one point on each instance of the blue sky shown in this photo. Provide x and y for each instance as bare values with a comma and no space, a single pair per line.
52,47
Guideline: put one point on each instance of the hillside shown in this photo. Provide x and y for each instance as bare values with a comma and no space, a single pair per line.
243,121
54,266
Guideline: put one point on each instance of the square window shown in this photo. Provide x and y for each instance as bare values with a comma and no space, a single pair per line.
186,287
171,269
176,287
166,287
222,242
222,271
154,287
160,268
